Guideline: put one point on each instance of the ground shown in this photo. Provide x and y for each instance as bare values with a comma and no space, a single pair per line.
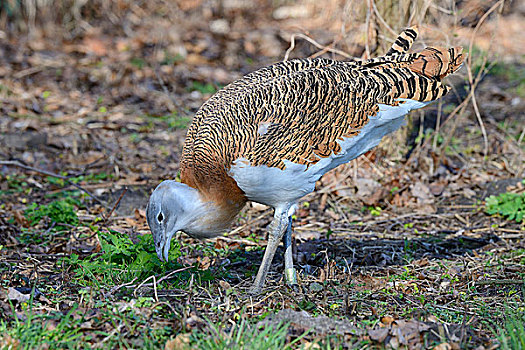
417,244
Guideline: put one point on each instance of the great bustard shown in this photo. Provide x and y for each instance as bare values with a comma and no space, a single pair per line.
269,136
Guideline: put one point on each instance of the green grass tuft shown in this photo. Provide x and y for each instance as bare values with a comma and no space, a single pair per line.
34,330
122,261
512,337
243,336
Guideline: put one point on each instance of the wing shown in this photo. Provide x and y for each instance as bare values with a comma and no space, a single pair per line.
226,96
267,75
302,117
298,110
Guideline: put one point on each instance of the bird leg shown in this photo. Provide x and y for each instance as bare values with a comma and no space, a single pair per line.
277,228
289,270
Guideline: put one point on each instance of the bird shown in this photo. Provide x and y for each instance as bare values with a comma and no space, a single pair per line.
270,135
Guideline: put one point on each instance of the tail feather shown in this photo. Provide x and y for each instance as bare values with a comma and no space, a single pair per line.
403,42
437,62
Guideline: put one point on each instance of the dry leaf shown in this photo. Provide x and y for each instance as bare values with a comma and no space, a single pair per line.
309,345
422,193
378,334
94,46
204,262
181,341
387,320
366,187
13,294
225,285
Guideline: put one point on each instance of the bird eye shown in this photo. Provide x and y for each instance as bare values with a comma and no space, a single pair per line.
160,217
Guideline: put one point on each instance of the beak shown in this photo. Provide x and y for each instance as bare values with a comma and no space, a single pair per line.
165,250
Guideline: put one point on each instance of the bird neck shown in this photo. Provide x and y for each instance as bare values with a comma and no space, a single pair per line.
219,201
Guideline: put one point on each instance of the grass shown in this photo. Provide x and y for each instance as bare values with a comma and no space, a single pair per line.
15,184
126,319
60,212
31,330
173,121
512,335
67,330
203,88
243,336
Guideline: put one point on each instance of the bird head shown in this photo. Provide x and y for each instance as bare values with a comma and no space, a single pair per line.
172,207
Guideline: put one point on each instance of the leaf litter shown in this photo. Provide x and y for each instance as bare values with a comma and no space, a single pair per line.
393,249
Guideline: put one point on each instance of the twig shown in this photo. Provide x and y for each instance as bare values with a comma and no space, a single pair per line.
367,31
116,288
187,304
252,305
29,71
471,79
155,281
116,204
499,282
155,289
316,44
48,173
235,240
520,139
383,22
142,284
173,272
452,309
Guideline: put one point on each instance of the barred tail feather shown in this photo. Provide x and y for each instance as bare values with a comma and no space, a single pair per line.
403,42
437,62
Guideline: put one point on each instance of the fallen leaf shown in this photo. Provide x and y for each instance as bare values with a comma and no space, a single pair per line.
225,285
366,187
437,188
422,193
220,244
94,46
181,341
20,218
378,334
13,294
309,345
204,263
387,320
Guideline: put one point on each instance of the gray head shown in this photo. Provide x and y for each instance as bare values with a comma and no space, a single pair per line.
172,207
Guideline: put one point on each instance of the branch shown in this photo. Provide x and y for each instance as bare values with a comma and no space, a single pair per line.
316,44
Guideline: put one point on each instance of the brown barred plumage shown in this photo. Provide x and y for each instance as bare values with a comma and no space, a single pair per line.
306,106
403,42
